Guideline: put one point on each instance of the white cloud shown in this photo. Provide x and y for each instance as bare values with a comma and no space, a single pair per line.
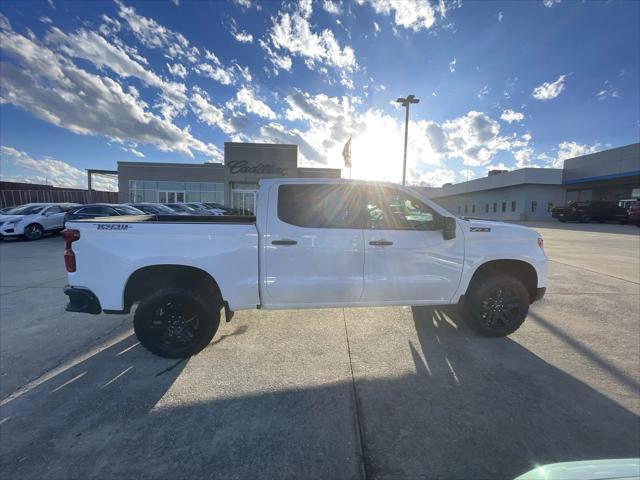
473,138
226,119
291,34
247,99
103,54
331,7
153,35
483,92
241,36
607,91
215,69
376,28
549,90
511,116
54,89
568,150
410,14
433,178
247,4
500,16
177,70
47,170
244,72
46,20
550,3
452,65
176,2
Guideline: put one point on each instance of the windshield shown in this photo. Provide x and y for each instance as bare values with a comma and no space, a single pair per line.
159,209
180,207
26,210
126,210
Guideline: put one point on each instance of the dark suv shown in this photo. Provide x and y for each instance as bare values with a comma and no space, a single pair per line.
598,211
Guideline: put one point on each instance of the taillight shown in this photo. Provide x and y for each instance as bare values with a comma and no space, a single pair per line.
69,237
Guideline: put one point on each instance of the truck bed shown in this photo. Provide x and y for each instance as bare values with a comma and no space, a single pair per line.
236,219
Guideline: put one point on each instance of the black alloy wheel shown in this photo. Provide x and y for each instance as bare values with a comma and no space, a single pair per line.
176,323
497,305
33,232
500,309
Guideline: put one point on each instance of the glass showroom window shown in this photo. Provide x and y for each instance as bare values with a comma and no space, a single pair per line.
534,205
549,207
175,192
513,206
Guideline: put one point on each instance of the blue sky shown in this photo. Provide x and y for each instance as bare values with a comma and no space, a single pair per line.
502,84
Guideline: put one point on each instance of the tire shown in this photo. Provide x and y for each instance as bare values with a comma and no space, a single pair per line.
33,231
585,219
562,220
497,305
175,322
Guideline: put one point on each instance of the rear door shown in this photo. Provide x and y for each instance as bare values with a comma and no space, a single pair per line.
407,260
52,217
314,247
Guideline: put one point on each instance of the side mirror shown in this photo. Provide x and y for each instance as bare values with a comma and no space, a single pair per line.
449,228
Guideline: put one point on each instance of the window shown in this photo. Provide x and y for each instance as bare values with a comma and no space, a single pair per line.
126,210
513,206
459,208
90,211
504,206
534,205
319,206
495,207
486,208
549,206
52,210
390,209
473,208
169,192
466,208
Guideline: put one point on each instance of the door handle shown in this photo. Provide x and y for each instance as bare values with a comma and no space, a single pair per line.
284,242
380,243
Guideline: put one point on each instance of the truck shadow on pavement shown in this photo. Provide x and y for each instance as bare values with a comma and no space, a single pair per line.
474,408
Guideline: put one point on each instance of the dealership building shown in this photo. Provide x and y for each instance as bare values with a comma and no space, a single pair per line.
234,183
531,193
524,194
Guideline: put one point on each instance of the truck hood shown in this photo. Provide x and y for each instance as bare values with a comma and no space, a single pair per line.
473,226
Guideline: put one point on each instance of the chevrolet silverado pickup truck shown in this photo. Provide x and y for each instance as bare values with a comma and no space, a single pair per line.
313,243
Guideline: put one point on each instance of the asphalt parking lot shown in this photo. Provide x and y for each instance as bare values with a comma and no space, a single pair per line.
353,393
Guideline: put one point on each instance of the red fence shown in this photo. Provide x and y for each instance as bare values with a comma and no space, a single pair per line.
9,198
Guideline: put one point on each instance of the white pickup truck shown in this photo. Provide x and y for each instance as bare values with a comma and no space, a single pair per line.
314,243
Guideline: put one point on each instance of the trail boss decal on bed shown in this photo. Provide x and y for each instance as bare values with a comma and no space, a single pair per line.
112,226
480,229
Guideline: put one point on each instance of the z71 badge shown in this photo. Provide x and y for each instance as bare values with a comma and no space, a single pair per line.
112,226
480,229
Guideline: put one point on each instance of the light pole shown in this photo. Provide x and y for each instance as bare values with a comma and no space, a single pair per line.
405,102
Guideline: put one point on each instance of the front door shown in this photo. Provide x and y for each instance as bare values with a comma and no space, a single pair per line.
406,259
314,248
168,196
52,218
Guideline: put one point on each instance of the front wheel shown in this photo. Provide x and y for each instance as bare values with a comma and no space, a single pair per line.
175,322
497,306
33,232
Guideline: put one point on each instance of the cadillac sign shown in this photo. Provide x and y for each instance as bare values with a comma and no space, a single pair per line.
242,166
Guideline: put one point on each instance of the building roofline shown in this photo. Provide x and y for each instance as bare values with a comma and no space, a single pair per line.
168,164
286,146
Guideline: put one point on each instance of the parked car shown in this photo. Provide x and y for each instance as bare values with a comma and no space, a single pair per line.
155,209
306,248
226,210
201,207
599,211
33,220
96,210
6,209
634,214
186,208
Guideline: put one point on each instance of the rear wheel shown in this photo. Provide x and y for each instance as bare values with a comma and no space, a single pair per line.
497,305
176,323
33,232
